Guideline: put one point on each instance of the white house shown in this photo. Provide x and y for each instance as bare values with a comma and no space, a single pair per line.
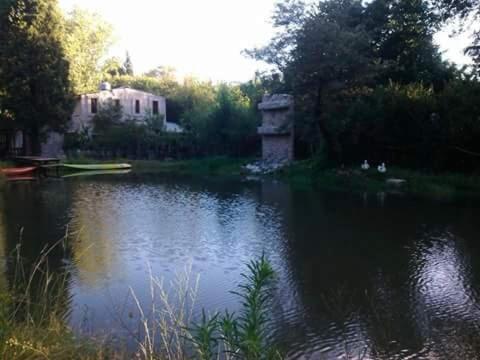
135,105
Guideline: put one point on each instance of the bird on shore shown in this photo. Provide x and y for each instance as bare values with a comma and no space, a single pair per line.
365,165
382,168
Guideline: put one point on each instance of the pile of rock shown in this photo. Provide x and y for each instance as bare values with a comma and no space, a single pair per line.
396,182
263,167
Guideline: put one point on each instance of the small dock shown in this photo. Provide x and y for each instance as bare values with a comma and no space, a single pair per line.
36,160
43,163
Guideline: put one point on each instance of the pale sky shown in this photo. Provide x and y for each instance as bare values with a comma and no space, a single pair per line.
202,38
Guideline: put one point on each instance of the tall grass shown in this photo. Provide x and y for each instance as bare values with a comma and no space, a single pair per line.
34,310
242,335
164,323
169,331
34,313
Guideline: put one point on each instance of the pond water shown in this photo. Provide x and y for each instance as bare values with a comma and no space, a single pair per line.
374,275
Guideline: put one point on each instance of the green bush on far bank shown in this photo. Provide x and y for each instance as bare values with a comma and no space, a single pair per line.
436,185
217,120
315,173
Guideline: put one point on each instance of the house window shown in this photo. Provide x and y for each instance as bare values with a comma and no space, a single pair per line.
94,106
117,103
137,106
155,107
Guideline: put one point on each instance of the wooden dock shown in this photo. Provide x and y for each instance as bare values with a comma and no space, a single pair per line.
45,164
36,160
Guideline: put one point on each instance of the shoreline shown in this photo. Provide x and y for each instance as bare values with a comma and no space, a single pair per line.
305,173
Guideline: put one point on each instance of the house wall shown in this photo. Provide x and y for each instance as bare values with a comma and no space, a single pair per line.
82,115
53,146
18,140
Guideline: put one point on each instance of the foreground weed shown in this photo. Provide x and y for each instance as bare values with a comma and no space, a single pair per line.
242,336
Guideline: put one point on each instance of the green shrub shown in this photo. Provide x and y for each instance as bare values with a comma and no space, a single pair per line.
244,335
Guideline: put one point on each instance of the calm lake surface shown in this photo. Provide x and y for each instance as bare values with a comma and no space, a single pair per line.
381,275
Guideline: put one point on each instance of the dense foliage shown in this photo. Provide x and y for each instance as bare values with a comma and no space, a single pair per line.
368,79
87,39
370,83
47,57
34,72
216,120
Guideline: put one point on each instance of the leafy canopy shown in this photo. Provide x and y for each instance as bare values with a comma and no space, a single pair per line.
34,72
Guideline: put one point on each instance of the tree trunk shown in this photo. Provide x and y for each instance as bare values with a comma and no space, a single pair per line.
35,146
330,143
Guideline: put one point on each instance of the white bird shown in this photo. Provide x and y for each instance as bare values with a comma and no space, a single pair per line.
382,169
365,165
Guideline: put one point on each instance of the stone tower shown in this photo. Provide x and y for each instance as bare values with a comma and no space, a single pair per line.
277,128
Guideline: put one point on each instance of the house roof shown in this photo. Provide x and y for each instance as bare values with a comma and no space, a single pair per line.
121,88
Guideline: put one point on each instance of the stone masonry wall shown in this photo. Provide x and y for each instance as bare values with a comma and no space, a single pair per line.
277,128
277,149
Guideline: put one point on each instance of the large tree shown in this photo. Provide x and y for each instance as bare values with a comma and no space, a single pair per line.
167,73
402,33
86,41
33,67
4,6
112,68
327,52
128,65
333,51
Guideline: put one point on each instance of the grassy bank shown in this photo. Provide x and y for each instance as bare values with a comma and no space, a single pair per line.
445,185
220,166
309,173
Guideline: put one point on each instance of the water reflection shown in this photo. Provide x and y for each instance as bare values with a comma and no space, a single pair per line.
32,229
93,233
442,280
371,275
444,298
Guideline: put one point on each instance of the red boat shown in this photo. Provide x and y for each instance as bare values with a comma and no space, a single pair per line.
20,178
18,171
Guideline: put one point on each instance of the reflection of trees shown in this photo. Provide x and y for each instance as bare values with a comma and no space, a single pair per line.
351,269
33,216
94,225
350,264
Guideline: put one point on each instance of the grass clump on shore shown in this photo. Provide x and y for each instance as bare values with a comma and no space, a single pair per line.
33,313
242,336
222,166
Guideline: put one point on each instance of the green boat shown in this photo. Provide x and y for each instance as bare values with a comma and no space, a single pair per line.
98,166
96,172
